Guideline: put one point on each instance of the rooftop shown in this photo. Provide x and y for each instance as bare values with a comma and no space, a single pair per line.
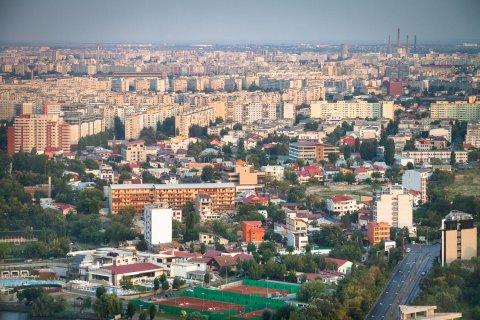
132,268
172,186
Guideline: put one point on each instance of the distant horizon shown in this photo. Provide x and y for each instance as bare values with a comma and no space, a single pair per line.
441,22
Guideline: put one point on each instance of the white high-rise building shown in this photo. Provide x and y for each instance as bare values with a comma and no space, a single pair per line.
393,205
158,224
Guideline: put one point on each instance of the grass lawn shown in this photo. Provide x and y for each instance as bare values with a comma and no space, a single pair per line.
325,192
467,183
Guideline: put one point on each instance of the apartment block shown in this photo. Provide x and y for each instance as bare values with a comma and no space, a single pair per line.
134,151
133,125
352,110
459,110
310,151
201,116
174,195
203,207
427,156
473,134
252,231
393,205
378,232
39,132
459,237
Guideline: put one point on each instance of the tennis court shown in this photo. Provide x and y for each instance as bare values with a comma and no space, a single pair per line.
199,304
264,292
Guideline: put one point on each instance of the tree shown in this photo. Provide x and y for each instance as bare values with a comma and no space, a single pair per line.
208,173
453,160
100,291
251,247
86,304
165,286
163,278
142,245
90,201
119,128
206,278
310,290
143,315
131,309
156,285
126,283
4,250
389,153
177,283
203,248
149,135
152,311
332,157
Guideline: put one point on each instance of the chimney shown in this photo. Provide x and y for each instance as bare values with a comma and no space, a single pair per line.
398,38
49,186
406,50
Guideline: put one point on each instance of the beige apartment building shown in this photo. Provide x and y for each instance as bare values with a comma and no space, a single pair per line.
174,195
352,110
134,151
133,126
240,175
459,237
473,134
200,116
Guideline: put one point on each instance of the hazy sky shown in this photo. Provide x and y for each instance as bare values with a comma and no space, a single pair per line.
239,21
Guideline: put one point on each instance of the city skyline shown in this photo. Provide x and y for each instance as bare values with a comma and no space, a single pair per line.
218,22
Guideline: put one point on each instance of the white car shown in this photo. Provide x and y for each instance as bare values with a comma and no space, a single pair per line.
408,250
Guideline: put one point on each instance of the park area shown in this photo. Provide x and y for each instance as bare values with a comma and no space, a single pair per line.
467,183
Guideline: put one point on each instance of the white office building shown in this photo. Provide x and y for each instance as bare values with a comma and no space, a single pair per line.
158,224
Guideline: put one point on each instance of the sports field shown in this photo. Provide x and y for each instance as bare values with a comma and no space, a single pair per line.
255,290
199,304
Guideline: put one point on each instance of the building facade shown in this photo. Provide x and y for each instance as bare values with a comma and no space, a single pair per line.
459,237
393,205
378,232
158,224
174,195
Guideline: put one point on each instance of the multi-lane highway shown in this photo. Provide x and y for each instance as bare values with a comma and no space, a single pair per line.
403,285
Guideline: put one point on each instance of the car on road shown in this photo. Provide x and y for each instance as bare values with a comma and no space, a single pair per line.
423,273
408,250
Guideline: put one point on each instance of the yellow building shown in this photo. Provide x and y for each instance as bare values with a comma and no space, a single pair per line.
455,110
175,195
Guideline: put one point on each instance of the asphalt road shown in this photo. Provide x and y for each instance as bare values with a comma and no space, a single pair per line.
403,285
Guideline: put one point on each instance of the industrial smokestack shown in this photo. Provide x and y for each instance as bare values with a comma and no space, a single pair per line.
389,49
415,43
406,49
398,38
